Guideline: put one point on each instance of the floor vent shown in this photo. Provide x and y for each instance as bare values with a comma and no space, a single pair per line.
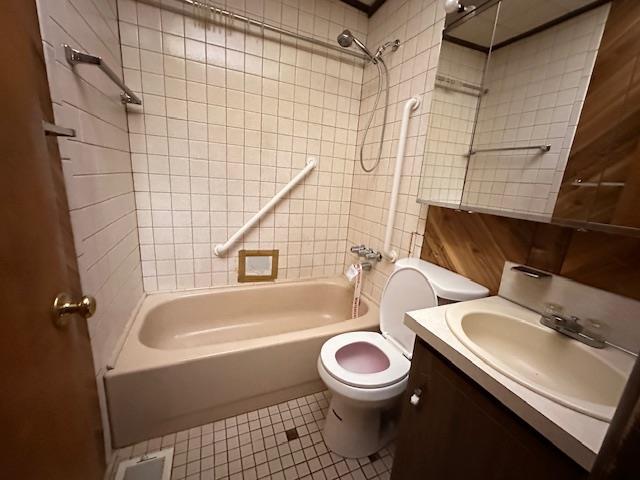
151,466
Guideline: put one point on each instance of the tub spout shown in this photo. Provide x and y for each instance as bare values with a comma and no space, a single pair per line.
366,266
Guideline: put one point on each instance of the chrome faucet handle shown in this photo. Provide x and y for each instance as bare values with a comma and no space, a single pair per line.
357,248
571,323
364,252
373,255
573,326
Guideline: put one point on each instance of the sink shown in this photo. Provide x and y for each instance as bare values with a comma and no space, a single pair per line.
540,359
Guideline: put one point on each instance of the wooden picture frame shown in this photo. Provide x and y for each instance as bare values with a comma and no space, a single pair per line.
244,277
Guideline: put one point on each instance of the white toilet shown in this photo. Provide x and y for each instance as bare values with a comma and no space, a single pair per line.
368,371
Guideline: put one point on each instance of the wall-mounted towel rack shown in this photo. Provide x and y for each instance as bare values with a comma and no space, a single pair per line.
75,56
542,148
580,183
460,86
221,249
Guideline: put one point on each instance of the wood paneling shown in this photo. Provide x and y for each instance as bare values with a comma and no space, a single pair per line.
460,431
606,147
476,245
605,261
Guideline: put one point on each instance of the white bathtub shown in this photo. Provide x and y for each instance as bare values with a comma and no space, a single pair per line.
195,357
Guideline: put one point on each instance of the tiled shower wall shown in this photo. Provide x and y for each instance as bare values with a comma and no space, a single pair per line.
96,165
536,90
418,24
229,116
450,130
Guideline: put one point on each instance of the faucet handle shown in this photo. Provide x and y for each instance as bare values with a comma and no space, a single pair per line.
373,255
572,322
357,248
554,313
553,309
596,329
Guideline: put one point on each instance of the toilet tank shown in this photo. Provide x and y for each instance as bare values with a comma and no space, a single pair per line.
448,286
416,284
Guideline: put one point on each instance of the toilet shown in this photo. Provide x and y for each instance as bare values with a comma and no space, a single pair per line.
367,372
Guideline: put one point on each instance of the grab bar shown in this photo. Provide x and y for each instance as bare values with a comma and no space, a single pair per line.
542,148
409,106
221,249
75,56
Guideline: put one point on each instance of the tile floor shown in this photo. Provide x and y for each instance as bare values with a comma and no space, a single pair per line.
280,442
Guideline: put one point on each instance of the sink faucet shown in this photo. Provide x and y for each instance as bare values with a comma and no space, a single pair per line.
571,327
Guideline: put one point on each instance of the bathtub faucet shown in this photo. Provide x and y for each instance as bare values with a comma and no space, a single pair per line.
366,252
366,266
357,248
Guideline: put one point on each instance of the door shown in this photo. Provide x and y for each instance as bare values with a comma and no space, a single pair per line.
50,424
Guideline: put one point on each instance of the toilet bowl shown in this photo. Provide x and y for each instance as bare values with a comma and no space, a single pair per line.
367,372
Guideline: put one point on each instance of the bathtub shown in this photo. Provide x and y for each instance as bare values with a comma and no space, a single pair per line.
196,357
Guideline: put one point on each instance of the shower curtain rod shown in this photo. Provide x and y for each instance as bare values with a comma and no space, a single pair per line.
215,11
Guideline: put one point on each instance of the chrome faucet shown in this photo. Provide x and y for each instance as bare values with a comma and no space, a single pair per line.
366,266
366,252
571,327
357,248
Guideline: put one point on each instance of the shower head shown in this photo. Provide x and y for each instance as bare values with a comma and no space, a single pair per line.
346,39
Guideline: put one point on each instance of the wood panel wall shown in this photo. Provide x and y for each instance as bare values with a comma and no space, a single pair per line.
476,245
601,182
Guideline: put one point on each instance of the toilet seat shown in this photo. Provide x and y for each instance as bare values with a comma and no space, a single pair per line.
396,371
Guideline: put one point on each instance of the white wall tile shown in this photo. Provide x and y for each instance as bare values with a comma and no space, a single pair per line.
409,70
226,123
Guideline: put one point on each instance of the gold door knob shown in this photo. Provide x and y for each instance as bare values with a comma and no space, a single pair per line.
64,308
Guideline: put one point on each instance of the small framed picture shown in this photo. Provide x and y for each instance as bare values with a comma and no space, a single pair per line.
257,265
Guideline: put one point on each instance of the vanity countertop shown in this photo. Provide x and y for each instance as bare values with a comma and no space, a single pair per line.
576,434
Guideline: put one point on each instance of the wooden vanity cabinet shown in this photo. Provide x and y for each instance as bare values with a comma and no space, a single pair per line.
459,431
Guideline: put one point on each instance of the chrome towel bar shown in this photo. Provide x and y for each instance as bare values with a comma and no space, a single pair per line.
542,148
75,57
459,86
53,130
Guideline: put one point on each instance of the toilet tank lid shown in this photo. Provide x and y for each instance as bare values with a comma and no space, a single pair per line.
445,283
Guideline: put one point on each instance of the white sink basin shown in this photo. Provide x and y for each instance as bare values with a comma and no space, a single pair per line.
542,360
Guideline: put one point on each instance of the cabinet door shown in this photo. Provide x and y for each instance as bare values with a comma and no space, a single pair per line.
601,181
458,431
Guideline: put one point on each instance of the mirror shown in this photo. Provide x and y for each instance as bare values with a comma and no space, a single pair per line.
511,84
454,106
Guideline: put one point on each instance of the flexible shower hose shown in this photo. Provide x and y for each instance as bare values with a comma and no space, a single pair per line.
373,112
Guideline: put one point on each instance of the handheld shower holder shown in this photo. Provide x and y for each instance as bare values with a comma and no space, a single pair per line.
346,39
393,45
